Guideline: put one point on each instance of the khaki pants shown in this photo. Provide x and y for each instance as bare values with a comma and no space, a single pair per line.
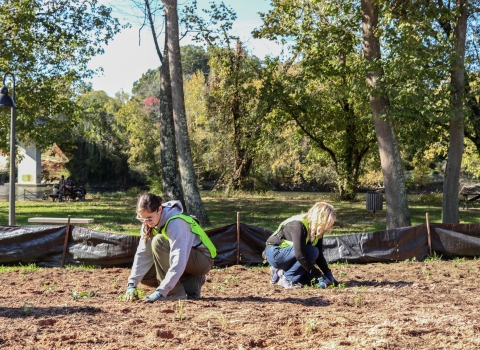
193,277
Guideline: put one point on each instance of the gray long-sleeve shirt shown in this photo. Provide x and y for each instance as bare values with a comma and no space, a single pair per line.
181,241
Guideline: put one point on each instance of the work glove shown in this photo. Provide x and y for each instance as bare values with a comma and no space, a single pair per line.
330,279
129,293
152,297
321,283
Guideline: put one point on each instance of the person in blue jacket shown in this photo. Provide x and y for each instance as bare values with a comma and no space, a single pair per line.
296,246
176,259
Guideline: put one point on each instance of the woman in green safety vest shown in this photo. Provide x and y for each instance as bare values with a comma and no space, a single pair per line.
174,261
294,248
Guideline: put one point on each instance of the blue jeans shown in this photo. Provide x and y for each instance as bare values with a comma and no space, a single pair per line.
284,259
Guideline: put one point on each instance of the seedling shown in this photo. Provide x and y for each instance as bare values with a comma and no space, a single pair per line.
138,293
49,287
358,301
342,274
427,274
433,258
459,260
77,295
27,307
223,321
232,278
470,269
311,326
180,310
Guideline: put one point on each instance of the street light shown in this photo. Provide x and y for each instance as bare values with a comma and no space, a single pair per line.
9,102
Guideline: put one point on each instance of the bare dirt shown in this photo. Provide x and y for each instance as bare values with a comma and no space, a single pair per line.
406,305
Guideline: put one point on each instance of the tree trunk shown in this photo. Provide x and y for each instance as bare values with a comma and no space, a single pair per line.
168,153
450,210
191,193
395,192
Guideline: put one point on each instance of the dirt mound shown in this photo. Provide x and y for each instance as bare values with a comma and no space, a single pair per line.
378,306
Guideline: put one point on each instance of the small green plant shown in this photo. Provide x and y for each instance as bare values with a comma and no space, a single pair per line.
342,274
231,278
470,269
311,326
426,274
78,295
341,285
223,321
459,259
27,307
49,287
138,293
433,258
180,310
358,301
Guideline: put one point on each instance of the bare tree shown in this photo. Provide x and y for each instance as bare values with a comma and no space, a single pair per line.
191,193
393,175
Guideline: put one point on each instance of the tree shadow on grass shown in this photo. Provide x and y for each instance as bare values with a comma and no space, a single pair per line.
37,312
308,301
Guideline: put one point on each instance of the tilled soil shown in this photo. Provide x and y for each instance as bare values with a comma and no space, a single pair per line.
405,305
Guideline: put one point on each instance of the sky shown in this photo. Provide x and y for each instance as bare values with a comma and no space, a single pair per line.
124,60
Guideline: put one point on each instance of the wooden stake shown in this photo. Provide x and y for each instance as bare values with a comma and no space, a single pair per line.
238,238
65,243
428,232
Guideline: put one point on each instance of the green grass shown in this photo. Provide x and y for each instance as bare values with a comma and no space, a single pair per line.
22,268
115,212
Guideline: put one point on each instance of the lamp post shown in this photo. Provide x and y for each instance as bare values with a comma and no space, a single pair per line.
9,102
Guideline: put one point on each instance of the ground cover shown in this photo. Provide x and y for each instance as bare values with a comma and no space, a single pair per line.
114,212
405,305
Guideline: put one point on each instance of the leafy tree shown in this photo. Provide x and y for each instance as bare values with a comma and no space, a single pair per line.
194,58
233,89
97,155
321,85
47,45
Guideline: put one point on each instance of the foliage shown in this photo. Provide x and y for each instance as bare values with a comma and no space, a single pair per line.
194,59
321,85
97,155
47,46
79,295
233,108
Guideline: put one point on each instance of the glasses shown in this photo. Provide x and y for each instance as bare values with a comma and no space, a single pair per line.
149,219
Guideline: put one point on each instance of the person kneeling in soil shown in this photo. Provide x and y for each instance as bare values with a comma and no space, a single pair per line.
176,260
294,248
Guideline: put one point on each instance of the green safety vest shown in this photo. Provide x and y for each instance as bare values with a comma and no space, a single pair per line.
286,243
196,229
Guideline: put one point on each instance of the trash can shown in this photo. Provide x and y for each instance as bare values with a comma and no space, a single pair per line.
374,201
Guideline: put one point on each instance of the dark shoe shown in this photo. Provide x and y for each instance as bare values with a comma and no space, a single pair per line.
197,292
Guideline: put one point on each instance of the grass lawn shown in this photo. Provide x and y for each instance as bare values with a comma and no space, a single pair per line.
115,212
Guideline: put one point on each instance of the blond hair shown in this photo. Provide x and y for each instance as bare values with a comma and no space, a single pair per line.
321,218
